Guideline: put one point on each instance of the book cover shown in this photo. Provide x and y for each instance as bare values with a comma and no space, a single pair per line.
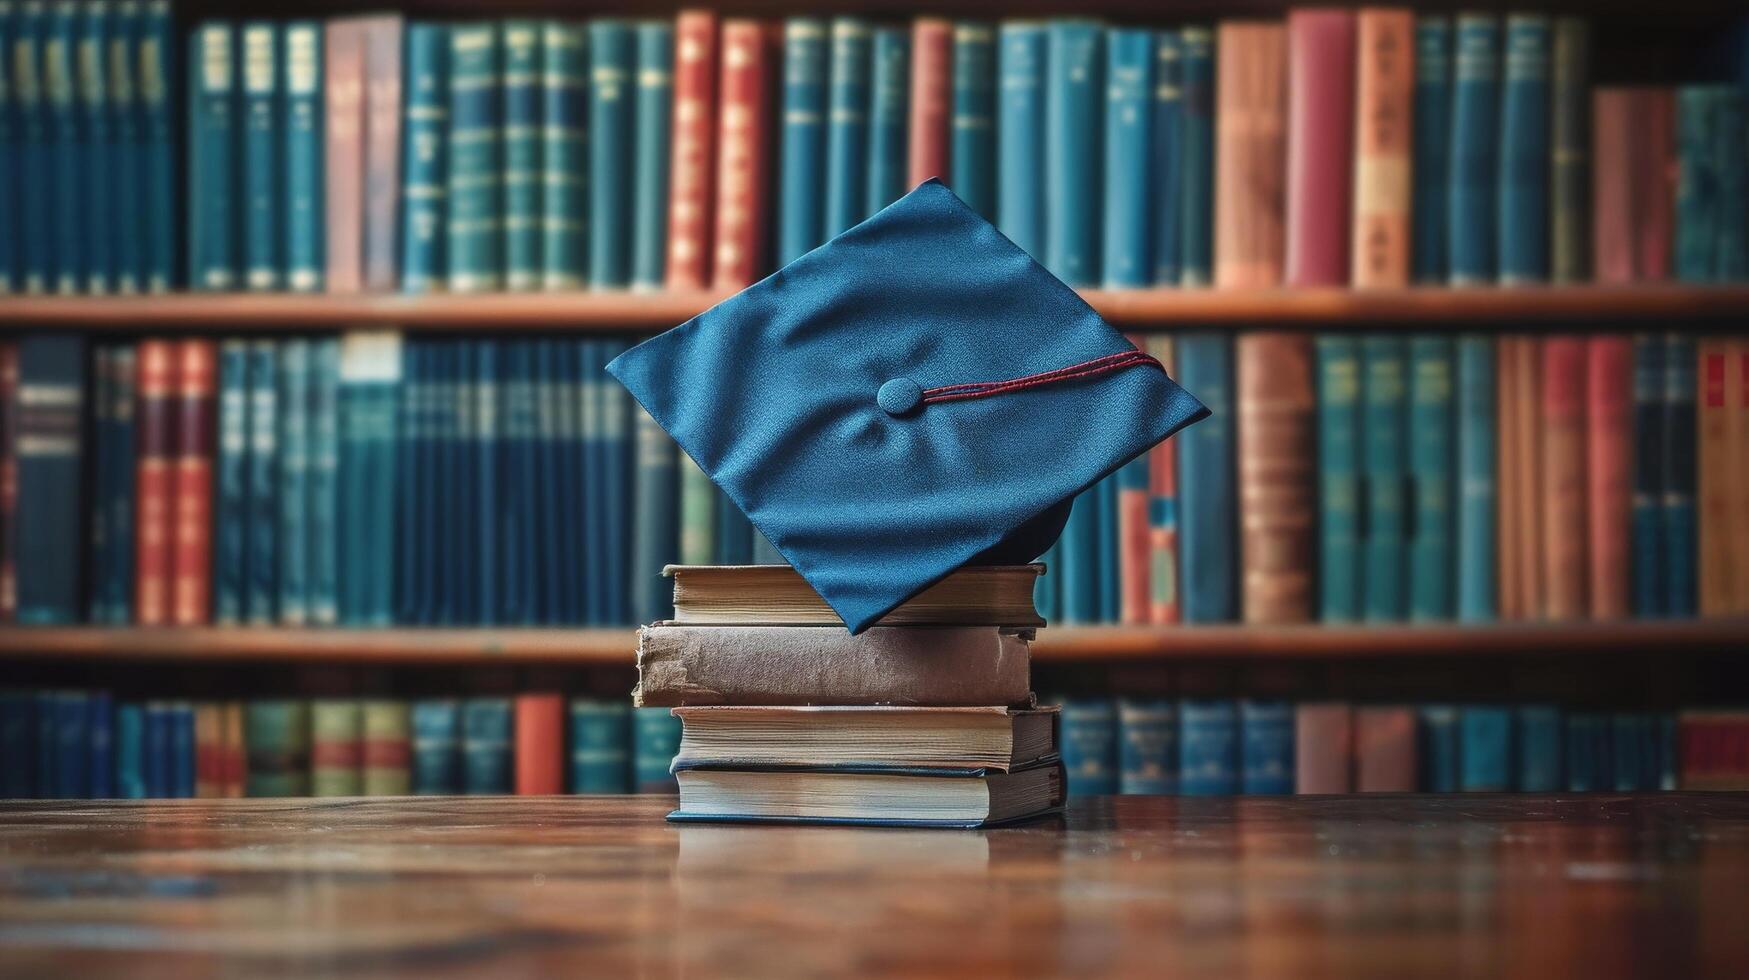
260,157
473,235
562,192
9,411
540,728
1523,201
801,164
1267,742
1438,749
1129,175
1566,562
888,117
692,170
1384,749
1388,90
931,99
100,745
655,740
1647,547
1471,199
1570,232
213,94
743,165
652,124
305,155
1538,762
322,483
486,746
612,70
1147,746
600,746
385,751
343,85
1486,749
276,732
972,145
1320,145
1208,747
118,571
1090,745
424,153
50,498
230,491
845,148
1134,542
435,764
381,184
235,751
1339,478
47,745
98,536
1196,158
336,747
1739,406
1209,538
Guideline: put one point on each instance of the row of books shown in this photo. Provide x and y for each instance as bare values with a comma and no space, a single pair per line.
86,744
369,152
1219,747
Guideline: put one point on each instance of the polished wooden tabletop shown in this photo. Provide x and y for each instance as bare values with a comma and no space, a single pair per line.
1311,886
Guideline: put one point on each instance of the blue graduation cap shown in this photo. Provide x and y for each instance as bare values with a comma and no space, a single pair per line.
914,396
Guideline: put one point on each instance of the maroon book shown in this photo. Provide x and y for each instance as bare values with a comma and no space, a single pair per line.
1384,750
692,170
154,490
1320,145
1323,748
931,98
743,153
192,513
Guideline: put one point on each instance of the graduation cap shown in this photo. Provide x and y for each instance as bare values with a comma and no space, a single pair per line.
914,396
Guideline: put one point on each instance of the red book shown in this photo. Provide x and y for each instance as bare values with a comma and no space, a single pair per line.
1323,748
1384,750
1714,750
1609,442
154,490
540,728
1564,524
1656,169
1163,512
1615,187
343,81
1385,94
382,149
692,168
743,154
1320,145
931,98
192,520
8,479
209,750
1250,126
236,764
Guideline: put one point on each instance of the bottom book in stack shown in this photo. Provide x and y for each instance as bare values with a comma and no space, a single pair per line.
888,766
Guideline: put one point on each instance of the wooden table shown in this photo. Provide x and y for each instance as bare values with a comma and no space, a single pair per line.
1384,886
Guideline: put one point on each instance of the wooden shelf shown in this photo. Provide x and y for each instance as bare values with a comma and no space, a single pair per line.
469,646
1578,307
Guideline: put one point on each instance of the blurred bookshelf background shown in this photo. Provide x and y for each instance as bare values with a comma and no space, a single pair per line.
312,479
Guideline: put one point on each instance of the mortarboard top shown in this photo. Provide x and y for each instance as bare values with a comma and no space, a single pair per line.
915,395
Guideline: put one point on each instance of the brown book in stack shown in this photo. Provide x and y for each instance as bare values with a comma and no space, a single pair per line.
926,718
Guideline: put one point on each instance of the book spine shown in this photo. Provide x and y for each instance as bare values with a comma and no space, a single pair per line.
261,501
655,535
1323,748
236,751
1252,120
611,70
1380,248
294,476
1129,77
1208,747
1020,187
521,178
9,412
1563,482
369,370
72,745
1647,548
1739,407
651,131
1431,159
305,196
212,148
1090,746
231,524
343,66
1134,542
692,171
1476,483
1587,748
17,741
1679,475
118,495
1384,750
1471,199
600,746
336,749
1147,746
889,97
564,154
196,393
847,126
126,223
208,750
321,482
1165,604
743,168
277,735
97,157
1196,186
1696,207
1277,414
1432,446
1714,460
655,741
1209,537
1570,233
1437,748
60,94
1616,187
1074,90
130,737
1266,749
261,157
32,153
386,749
801,191
154,750
474,182
98,535
1523,223
381,182
1166,146
1320,148
931,99
1485,749
1730,149
436,747
540,726
1538,747
47,747
181,750
423,155
1384,569
1339,479
486,748
9,175
972,144
154,493
157,49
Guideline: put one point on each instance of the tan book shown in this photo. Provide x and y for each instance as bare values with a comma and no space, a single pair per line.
1277,466
777,595
961,739
681,665
1718,391
1250,153
1382,134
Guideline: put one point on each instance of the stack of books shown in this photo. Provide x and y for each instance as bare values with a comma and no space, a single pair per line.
926,718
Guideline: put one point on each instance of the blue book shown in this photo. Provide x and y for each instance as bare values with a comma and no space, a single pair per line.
127,228
1130,174
655,519
1539,749
119,574
1524,152
1208,747
1680,561
655,742
1731,246
294,497
424,153
1090,745
260,588
130,752
1633,750
523,178
105,463
1108,586
1669,761
595,472
972,143
1147,752
1431,148
473,242
1476,481
1485,749
1385,445
801,139
72,745
461,589
48,745
617,453
17,740
50,488
889,97
1588,752
1197,158
1431,453
34,163
305,214
1020,129
488,459
611,69
100,746
412,567
9,155
212,156
60,93
435,766
564,154
844,197
97,157
369,372
321,482
155,755
516,435
1266,739
1339,470
1207,526
1697,184
486,746
231,484
601,735
1471,199
652,113
1647,515
1438,748
1166,146
180,749
157,73
261,157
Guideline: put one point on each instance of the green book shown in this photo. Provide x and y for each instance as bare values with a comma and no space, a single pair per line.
1338,479
564,154
277,733
474,245
336,729
600,746
1384,421
1432,445
521,92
